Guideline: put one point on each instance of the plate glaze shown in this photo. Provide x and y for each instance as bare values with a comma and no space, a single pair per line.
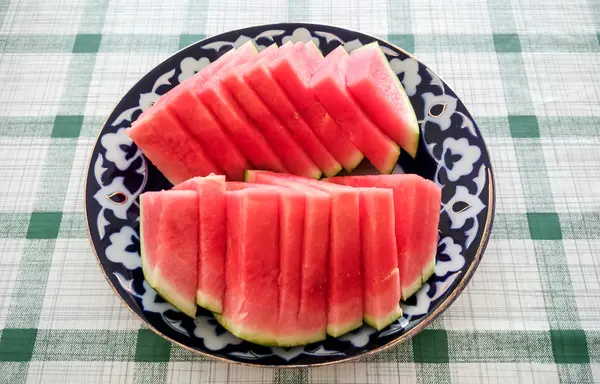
451,152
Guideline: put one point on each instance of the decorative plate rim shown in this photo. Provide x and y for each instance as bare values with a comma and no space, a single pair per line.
409,334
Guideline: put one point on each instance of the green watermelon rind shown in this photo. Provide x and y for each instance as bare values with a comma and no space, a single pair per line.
413,123
170,294
428,270
392,161
412,289
354,162
268,339
264,339
250,176
339,330
333,170
295,340
209,302
381,322
426,273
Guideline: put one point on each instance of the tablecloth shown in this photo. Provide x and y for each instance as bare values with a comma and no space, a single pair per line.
529,72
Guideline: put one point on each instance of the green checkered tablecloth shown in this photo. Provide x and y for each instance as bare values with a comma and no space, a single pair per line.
528,70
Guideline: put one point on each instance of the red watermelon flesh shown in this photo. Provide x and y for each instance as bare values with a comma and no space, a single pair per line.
212,239
178,101
294,327
260,79
175,265
381,278
236,186
250,304
291,221
345,293
292,155
150,209
170,147
411,194
243,132
247,53
329,84
215,67
201,123
293,72
375,85
312,315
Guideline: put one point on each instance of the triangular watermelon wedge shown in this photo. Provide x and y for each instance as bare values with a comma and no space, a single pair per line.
165,142
329,84
250,305
380,274
302,263
312,316
172,268
292,155
212,239
293,72
248,139
260,79
417,213
371,79
345,292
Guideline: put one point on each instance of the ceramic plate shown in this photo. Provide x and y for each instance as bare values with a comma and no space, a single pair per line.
452,153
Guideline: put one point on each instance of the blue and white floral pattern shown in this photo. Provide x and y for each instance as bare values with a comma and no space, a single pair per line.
408,69
190,66
451,153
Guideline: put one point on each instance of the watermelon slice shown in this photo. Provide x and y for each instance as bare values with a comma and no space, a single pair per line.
260,79
381,278
174,266
169,147
329,84
295,322
150,209
292,155
345,293
416,223
293,72
179,102
200,122
243,132
312,316
250,304
212,239
375,85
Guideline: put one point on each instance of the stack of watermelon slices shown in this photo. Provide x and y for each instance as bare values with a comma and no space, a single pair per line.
284,260
285,109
